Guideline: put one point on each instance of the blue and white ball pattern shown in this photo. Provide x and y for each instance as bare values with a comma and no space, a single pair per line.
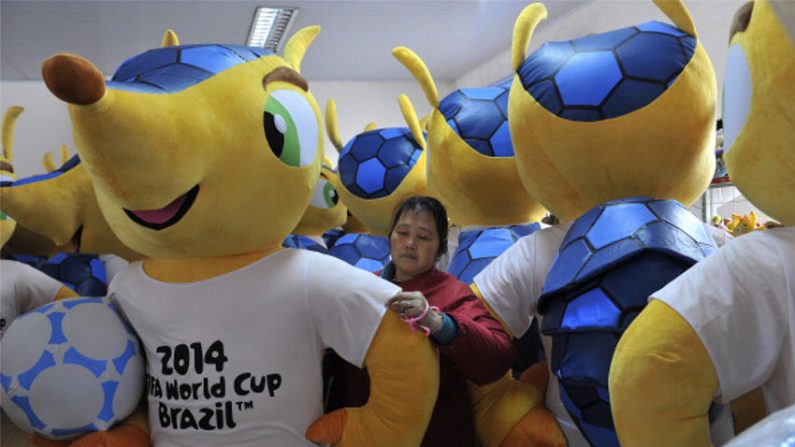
70,367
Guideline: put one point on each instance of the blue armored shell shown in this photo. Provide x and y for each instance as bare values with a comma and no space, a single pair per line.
330,237
611,260
607,75
367,252
480,117
83,273
302,242
374,163
476,249
70,164
172,69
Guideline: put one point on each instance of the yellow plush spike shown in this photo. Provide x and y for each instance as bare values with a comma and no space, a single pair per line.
370,126
417,68
64,151
523,29
424,121
298,44
411,119
170,39
331,125
49,162
679,15
9,121
759,91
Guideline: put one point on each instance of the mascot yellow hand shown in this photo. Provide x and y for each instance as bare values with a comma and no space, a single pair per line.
404,381
661,368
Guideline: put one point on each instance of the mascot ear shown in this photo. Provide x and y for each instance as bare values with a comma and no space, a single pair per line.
411,119
170,39
331,125
370,126
9,121
297,45
417,68
677,12
523,30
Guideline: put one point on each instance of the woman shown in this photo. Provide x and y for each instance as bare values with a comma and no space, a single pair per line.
472,345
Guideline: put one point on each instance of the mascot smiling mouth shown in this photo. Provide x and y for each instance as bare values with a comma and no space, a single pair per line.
168,215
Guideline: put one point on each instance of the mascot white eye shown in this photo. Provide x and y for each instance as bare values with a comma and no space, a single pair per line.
737,94
324,195
291,127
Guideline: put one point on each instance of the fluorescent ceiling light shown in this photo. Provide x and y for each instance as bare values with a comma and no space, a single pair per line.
269,27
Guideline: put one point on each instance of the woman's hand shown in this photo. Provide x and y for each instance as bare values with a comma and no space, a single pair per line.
412,305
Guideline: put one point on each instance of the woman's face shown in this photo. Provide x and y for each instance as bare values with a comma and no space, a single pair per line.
413,244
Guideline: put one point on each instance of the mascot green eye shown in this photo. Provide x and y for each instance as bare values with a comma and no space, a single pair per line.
291,127
324,195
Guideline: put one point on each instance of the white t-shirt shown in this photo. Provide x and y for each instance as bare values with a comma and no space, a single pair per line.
236,359
741,302
22,289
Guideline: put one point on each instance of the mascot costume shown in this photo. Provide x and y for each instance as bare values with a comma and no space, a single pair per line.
726,326
472,171
600,140
378,169
193,151
324,213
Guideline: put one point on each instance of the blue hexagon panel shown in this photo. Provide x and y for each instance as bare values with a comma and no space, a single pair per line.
367,252
300,241
81,272
476,249
172,69
374,163
611,260
480,117
607,75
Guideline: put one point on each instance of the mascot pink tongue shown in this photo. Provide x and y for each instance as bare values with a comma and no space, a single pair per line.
216,279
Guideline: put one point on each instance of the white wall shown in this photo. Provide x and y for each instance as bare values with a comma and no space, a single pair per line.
712,19
44,125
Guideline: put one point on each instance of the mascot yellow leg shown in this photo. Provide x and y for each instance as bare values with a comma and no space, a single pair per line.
661,367
404,382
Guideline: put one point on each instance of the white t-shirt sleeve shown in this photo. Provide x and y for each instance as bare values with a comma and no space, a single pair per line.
22,289
736,301
346,304
508,285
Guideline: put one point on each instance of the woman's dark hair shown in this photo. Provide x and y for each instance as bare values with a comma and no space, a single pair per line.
425,204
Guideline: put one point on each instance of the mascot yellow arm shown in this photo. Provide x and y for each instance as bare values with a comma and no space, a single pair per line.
404,381
662,382
510,412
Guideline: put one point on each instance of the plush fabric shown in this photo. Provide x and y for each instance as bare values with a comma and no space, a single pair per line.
476,189
636,154
661,368
759,155
376,213
325,210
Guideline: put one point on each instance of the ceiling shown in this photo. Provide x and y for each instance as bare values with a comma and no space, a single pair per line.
453,37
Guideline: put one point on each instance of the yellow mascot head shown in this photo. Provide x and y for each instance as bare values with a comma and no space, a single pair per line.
471,166
625,113
196,150
758,111
379,168
325,210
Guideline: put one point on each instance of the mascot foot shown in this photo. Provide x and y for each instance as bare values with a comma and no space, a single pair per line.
538,428
328,428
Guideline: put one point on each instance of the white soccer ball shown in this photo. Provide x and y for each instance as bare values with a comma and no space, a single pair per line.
70,367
